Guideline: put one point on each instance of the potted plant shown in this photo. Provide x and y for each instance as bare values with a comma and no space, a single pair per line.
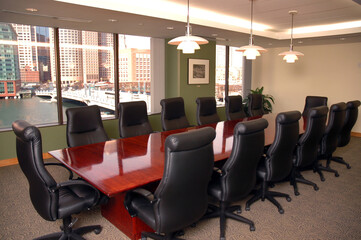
267,99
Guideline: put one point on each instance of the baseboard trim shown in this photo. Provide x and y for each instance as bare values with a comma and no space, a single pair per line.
355,134
13,161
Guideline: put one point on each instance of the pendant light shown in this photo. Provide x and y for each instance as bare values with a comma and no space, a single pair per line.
251,51
188,43
291,56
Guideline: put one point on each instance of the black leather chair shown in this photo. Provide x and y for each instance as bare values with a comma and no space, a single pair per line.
181,197
173,115
50,199
307,146
313,101
255,105
206,110
84,126
329,139
133,119
234,108
345,136
238,175
277,164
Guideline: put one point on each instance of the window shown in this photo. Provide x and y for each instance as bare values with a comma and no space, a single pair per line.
87,70
231,78
28,77
132,86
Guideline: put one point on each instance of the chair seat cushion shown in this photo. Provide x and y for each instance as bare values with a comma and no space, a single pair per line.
144,209
75,199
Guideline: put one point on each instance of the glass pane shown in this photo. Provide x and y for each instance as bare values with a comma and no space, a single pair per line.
235,72
220,74
87,70
26,69
134,69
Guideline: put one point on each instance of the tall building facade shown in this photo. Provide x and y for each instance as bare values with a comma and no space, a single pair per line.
134,70
9,62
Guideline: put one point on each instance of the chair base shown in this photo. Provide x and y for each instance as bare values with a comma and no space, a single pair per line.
339,160
319,168
69,233
296,177
223,212
263,194
156,236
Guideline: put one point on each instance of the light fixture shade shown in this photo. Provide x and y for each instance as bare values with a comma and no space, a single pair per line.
251,51
178,40
188,43
291,56
188,46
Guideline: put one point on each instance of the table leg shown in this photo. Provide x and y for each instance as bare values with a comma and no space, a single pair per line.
115,212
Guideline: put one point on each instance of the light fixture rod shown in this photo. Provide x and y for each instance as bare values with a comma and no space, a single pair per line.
188,30
251,37
293,12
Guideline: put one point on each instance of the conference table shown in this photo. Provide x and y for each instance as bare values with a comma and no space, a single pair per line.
119,165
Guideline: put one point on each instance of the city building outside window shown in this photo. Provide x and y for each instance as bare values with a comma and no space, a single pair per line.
234,73
28,77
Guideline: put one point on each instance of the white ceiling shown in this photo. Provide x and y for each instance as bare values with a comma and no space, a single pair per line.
220,20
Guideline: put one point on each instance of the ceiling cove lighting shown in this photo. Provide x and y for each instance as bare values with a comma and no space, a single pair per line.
188,43
291,56
251,51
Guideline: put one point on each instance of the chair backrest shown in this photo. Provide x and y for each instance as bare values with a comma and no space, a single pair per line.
133,119
234,108
335,123
255,105
280,154
173,115
84,126
307,146
313,101
206,110
240,170
181,197
350,120
30,157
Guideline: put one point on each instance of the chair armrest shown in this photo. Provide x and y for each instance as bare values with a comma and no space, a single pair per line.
75,182
61,165
134,193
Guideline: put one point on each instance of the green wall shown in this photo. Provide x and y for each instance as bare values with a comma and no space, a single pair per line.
176,78
176,83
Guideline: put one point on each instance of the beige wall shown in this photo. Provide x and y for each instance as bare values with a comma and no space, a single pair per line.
325,70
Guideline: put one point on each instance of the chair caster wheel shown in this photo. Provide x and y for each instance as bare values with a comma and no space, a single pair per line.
337,175
97,230
239,210
247,208
222,238
193,225
252,228
297,194
289,199
348,166
322,179
316,188
281,211
180,233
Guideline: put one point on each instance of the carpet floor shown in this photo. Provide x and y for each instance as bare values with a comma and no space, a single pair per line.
333,212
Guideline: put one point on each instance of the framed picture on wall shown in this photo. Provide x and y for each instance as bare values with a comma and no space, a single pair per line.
198,71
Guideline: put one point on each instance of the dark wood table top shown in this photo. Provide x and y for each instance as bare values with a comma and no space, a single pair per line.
119,165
